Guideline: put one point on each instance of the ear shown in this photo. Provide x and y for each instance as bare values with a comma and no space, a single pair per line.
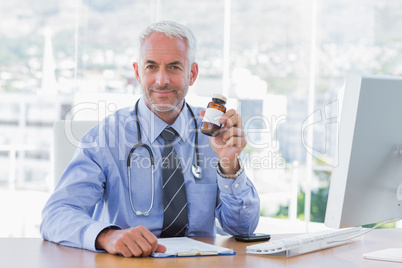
193,73
137,72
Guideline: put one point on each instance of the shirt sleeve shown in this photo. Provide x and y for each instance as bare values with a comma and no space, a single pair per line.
239,208
67,216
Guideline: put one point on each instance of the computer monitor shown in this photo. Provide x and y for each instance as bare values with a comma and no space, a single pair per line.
366,186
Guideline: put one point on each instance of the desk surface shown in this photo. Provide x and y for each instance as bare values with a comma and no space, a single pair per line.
34,252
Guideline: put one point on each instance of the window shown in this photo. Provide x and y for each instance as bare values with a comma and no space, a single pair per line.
282,63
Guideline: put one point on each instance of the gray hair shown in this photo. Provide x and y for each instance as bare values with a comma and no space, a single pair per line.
173,30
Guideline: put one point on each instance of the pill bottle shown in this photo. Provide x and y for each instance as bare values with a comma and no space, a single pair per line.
216,108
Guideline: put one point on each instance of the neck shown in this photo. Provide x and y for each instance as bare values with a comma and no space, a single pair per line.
170,116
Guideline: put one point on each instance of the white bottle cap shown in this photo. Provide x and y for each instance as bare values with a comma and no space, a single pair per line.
218,96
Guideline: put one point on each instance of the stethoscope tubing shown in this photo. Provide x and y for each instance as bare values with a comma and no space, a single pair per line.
196,169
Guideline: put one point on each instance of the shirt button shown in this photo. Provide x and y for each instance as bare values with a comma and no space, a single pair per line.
244,207
236,185
226,186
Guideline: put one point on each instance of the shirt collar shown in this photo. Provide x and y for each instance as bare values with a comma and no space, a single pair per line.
152,126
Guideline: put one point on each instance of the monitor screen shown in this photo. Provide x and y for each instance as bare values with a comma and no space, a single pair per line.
366,185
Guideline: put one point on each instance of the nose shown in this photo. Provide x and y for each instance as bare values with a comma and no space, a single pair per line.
162,77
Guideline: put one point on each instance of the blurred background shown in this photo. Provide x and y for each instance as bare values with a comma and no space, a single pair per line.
282,64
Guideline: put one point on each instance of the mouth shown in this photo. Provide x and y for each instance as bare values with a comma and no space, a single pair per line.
163,91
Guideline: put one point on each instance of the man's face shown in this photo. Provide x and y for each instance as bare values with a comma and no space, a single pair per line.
164,72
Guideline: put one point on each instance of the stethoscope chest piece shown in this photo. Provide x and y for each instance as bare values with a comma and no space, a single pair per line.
197,171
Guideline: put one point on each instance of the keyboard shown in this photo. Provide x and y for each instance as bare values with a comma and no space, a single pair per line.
308,242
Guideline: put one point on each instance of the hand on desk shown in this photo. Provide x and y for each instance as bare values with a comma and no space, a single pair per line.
136,241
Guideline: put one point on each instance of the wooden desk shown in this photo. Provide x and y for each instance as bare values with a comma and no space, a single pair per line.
34,252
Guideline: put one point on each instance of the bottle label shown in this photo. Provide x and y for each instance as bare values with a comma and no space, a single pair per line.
212,116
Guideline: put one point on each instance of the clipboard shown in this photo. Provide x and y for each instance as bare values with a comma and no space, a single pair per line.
187,247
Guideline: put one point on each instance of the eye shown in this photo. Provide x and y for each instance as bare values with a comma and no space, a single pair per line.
150,67
175,67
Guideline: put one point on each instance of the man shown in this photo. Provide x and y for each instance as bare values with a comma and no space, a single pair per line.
101,205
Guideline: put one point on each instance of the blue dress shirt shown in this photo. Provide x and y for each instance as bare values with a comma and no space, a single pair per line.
93,194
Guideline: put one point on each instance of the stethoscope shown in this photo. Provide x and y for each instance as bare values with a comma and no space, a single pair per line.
195,168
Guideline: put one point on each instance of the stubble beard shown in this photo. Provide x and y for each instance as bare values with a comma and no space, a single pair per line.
163,108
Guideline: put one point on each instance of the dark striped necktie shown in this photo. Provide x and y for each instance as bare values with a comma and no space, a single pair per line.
175,219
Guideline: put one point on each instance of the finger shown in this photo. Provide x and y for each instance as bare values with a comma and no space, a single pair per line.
160,248
140,248
125,252
233,121
233,132
226,116
237,142
202,113
130,246
145,240
149,237
122,249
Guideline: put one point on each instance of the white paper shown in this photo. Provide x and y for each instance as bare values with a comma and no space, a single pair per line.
389,254
184,246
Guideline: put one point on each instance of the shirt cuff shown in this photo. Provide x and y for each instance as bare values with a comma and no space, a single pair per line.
230,176
235,186
92,233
